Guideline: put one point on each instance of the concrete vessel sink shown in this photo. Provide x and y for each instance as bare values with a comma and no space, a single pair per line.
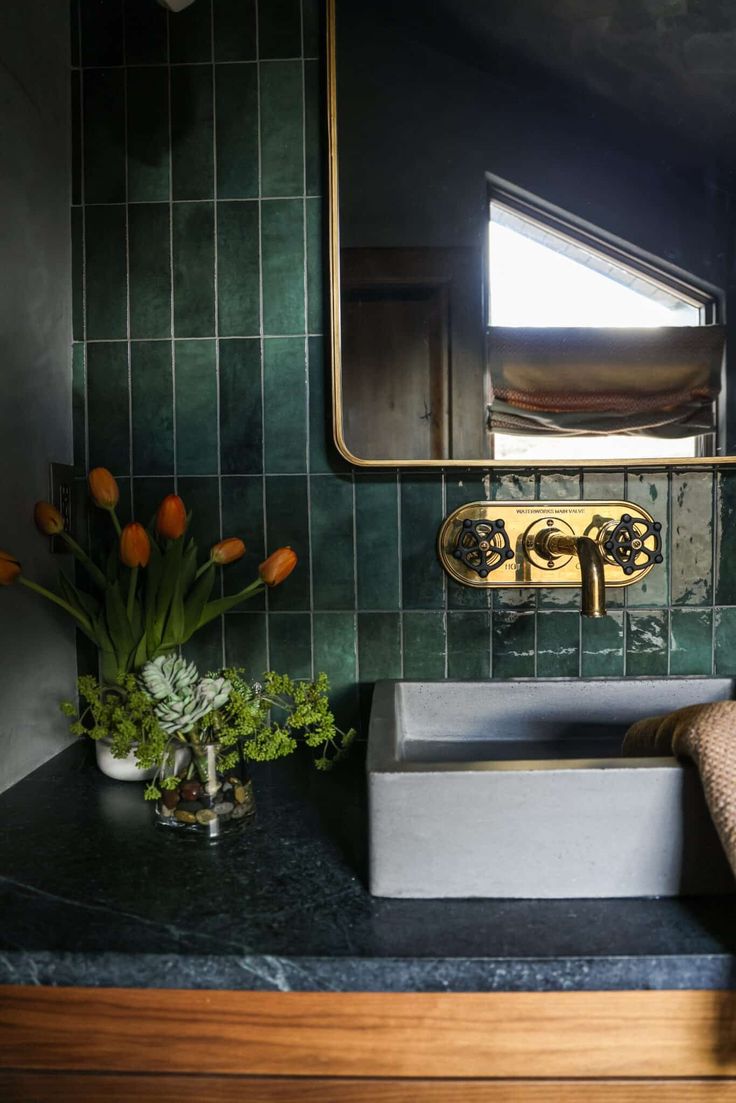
518,789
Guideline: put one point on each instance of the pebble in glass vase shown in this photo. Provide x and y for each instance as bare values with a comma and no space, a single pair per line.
203,801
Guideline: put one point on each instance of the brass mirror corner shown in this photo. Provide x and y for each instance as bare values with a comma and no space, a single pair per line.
526,242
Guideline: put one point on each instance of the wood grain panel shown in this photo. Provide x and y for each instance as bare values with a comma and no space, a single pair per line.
312,1034
80,1088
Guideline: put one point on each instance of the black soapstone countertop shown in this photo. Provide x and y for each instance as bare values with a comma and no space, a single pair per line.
92,894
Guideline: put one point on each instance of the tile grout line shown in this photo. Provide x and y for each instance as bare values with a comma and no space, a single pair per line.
261,327
83,274
131,457
172,319
216,260
178,64
307,390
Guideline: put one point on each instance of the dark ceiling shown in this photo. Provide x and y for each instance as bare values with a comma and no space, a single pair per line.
669,63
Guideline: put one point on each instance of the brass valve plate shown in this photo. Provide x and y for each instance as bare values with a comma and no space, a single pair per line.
465,550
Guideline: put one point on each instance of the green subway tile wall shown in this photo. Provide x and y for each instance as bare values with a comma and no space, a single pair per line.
200,362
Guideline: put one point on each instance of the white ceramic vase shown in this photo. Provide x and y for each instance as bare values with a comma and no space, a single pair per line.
121,769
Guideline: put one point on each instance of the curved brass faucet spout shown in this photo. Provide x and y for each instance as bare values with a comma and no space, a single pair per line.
593,583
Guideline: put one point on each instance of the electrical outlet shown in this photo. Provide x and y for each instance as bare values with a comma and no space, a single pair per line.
61,484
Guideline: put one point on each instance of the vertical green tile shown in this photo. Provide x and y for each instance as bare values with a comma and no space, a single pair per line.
468,645
558,644
245,643
150,270
235,30
691,641
331,505
194,262
651,490
190,33
323,455
285,407
196,408
77,226
242,515
607,486
459,491
291,643
148,134
725,529
236,100
313,128
282,236
691,538
279,28
424,645
603,646
74,33
513,487
146,33
377,541
335,636
153,407
288,524
315,268
205,648
105,280
423,580
102,32
107,406
237,269
192,168
241,428
76,137
148,493
104,135
513,644
725,630
202,497
79,411
647,639
282,136
562,486
379,646
312,11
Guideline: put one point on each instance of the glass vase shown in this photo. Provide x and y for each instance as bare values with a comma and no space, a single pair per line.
203,801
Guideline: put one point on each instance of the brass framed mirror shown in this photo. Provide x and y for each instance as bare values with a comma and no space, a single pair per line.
530,226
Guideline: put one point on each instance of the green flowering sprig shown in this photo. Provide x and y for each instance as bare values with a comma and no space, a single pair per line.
124,713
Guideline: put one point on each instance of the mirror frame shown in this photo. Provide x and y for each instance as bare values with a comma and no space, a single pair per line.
336,334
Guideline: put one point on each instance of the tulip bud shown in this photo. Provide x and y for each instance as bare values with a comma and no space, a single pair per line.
227,551
135,547
9,568
278,566
171,517
48,520
103,488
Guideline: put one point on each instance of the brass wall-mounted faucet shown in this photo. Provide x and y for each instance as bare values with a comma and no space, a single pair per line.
592,545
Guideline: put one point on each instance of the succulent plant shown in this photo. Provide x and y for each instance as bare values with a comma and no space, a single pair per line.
182,700
169,676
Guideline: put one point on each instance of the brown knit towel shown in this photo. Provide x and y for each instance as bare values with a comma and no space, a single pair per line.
707,735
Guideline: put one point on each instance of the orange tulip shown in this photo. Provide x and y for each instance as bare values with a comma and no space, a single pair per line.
103,488
9,568
48,520
227,551
278,566
135,547
171,518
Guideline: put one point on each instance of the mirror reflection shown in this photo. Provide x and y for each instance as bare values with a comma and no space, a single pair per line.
534,231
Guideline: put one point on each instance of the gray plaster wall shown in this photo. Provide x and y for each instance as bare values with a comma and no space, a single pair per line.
37,657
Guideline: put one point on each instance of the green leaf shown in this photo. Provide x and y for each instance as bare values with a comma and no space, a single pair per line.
170,573
85,604
112,566
175,623
189,566
154,572
198,597
224,604
118,625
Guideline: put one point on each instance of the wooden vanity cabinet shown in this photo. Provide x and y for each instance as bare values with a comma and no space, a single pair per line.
83,1044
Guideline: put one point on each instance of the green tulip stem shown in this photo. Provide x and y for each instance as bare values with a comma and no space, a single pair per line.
84,559
115,521
131,592
203,568
57,601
